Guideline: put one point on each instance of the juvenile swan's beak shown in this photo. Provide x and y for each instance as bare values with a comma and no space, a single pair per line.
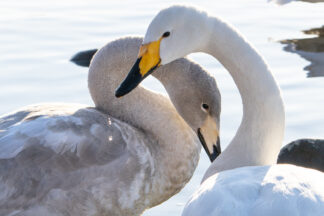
209,138
148,60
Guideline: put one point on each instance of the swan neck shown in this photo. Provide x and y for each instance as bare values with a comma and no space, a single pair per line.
259,137
165,132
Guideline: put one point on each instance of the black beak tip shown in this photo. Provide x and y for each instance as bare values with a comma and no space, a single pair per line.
118,93
216,150
127,86
132,80
216,147
215,154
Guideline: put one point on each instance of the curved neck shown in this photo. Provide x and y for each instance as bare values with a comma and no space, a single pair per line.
259,137
149,112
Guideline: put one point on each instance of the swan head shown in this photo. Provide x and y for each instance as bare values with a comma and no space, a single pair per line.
196,97
174,32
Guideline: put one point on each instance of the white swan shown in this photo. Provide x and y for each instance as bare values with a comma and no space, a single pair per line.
120,158
264,190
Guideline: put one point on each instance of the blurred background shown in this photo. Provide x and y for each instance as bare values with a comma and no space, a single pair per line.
37,39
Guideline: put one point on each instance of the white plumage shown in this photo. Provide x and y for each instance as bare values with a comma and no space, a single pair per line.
279,190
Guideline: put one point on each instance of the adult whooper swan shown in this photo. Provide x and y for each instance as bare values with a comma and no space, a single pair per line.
228,187
118,158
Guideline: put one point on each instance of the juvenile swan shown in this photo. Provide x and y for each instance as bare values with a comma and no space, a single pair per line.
119,158
253,190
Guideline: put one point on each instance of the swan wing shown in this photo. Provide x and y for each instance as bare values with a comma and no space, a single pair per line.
60,128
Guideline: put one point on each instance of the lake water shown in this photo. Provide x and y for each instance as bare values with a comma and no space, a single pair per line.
37,39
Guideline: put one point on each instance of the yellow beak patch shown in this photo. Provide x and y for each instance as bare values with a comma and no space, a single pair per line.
150,56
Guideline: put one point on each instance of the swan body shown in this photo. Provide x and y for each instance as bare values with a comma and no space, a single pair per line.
260,190
118,158
59,158
260,134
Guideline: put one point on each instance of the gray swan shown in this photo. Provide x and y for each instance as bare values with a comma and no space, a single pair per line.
118,158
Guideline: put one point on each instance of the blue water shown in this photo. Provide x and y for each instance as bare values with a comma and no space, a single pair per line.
37,39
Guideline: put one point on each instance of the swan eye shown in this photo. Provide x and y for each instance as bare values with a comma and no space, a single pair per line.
166,34
204,107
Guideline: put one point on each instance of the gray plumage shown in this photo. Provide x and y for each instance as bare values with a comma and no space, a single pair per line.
120,158
51,161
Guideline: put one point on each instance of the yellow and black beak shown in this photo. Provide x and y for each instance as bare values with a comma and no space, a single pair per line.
148,60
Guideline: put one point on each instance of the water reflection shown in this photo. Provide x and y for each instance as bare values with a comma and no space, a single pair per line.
282,2
311,49
312,1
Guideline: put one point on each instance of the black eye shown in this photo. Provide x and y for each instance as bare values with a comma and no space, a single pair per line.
166,34
205,106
